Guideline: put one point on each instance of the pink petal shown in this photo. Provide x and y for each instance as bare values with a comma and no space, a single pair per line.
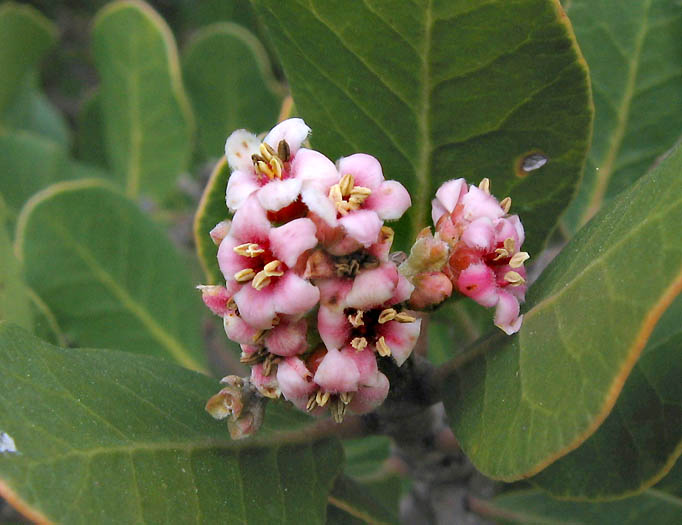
266,385
220,231
320,204
217,297
478,203
238,330
365,169
256,307
315,170
509,228
507,315
333,327
373,287
294,383
365,361
337,373
430,289
289,241
278,194
363,226
478,282
333,292
240,186
390,200
403,290
401,338
447,197
250,223
369,397
239,147
480,234
294,131
293,295
229,261
288,338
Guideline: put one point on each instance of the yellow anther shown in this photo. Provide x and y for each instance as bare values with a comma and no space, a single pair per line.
322,397
346,184
265,169
387,315
346,397
337,409
518,259
335,194
344,207
501,254
266,151
485,185
382,347
244,275
360,191
283,151
258,335
509,245
261,280
356,320
312,401
506,204
276,167
359,343
514,278
404,317
272,269
248,249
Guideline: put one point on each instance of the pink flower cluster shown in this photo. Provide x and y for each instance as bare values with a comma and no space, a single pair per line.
310,293
484,260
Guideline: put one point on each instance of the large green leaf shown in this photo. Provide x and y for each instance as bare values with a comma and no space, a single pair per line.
633,50
90,141
522,406
28,163
229,82
212,210
148,123
110,275
351,502
108,437
443,89
532,506
642,437
25,36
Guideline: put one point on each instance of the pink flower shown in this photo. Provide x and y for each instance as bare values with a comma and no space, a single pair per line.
360,313
260,259
485,261
359,200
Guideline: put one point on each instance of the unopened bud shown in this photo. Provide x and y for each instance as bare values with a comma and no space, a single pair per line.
430,289
220,231
428,254
241,403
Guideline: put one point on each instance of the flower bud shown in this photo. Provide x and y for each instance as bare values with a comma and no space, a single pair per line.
431,289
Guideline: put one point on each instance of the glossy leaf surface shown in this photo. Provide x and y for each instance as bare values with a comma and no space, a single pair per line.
109,437
523,405
110,276
148,123
443,89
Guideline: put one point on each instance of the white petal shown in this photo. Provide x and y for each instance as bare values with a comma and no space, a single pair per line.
277,194
294,131
238,149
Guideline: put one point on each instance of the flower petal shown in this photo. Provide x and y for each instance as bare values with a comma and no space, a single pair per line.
278,194
256,307
507,315
293,295
390,200
315,170
369,397
250,223
238,330
366,362
320,204
292,376
401,338
373,287
447,197
363,226
229,261
288,338
240,186
478,203
290,240
239,147
480,234
478,282
337,373
294,131
365,169
333,326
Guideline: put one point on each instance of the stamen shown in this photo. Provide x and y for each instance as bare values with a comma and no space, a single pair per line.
346,397
335,194
248,249
272,269
485,185
312,401
266,151
258,336
387,315
244,275
382,348
276,166
359,343
356,320
337,409
255,358
283,151
261,280
231,304
265,169
509,245
518,259
346,184
506,204
404,317
514,278
322,397
502,253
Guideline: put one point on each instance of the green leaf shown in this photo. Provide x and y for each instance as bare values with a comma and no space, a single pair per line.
365,457
351,502
454,326
117,281
438,90
532,506
25,37
641,438
229,82
90,141
109,437
672,483
14,300
148,123
212,209
30,110
633,52
520,407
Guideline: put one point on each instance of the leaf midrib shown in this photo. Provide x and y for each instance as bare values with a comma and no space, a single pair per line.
623,111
